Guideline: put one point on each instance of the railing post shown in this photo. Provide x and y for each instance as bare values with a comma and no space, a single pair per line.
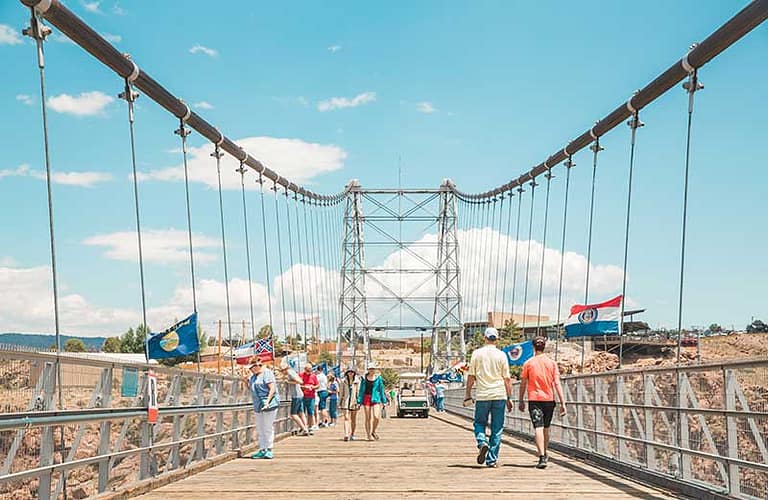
685,432
145,456
650,451
620,426
105,430
731,425
597,386
579,414
235,398
46,434
219,418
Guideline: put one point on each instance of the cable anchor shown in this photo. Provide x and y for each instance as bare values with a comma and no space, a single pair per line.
37,31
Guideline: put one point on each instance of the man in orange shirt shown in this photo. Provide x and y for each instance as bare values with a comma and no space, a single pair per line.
541,379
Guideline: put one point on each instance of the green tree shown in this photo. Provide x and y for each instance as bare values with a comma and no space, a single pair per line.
111,344
715,328
327,357
390,377
265,331
132,341
74,345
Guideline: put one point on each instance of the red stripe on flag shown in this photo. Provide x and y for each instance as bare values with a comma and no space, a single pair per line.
614,302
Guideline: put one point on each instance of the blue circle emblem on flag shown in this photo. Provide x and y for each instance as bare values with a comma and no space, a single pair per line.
170,341
515,353
588,316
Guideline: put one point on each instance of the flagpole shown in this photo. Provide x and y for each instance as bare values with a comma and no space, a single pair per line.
218,359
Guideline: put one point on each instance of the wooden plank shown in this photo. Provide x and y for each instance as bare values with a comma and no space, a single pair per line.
415,458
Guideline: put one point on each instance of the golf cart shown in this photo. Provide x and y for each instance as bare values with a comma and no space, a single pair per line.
412,395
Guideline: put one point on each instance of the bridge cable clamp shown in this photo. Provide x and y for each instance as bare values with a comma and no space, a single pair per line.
187,114
221,138
684,61
135,72
42,7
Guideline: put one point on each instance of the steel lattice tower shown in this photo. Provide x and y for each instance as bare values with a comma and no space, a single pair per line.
446,322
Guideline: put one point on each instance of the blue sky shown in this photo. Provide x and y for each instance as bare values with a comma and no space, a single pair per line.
477,92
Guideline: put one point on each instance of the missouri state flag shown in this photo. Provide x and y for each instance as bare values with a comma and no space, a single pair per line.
178,340
594,319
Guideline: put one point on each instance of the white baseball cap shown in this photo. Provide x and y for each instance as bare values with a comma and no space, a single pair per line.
491,333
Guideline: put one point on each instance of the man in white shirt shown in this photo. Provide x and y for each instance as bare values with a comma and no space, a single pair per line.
322,396
489,371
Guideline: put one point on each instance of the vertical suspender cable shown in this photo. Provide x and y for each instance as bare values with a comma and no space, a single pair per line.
528,253
595,148
307,242
506,258
327,299
498,257
129,95
38,31
489,257
301,270
183,132
548,176
241,170
280,262
691,86
471,262
290,263
568,165
266,265
634,123
520,192
217,154
319,267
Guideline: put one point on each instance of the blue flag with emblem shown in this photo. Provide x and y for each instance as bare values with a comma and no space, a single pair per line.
321,366
178,340
518,354
337,371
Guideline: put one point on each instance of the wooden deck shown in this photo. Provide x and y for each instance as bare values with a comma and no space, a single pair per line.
415,458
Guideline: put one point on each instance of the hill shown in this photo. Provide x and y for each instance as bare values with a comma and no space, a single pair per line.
44,341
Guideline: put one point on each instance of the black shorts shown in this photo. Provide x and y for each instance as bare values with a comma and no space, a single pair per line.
541,413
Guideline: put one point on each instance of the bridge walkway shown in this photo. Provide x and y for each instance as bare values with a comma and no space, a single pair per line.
415,458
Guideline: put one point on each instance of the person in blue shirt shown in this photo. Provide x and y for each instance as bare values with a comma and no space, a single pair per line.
440,396
333,399
265,402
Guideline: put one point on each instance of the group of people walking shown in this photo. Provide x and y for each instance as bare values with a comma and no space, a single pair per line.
489,374
316,399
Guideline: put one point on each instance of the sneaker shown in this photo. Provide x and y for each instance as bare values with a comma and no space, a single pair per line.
332,425
268,455
311,432
482,453
546,458
305,432
346,438
259,454
542,462
493,465
375,436
352,438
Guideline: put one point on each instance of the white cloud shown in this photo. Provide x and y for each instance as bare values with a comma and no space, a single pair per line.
334,48
294,159
25,99
117,10
426,107
111,37
344,102
160,246
203,50
85,104
82,179
203,105
92,7
9,36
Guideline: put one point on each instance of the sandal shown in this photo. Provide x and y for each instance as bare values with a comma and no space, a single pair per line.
375,436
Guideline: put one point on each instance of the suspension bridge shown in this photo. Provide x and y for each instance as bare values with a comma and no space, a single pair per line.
78,426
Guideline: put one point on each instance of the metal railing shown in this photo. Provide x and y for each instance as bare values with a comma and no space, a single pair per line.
107,442
705,425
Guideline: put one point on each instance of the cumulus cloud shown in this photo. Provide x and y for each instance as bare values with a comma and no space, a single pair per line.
111,37
161,246
25,99
202,49
346,102
9,36
85,104
203,105
426,107
334,48
82,179
295,159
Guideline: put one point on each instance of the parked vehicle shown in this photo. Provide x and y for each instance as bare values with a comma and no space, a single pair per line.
412,395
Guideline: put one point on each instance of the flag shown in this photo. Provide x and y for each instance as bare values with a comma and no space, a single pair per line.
322,366
244,353
178,340
460,367
337,371
518,354
594,319
264,349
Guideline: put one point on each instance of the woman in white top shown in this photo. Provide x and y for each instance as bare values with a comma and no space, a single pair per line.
349,386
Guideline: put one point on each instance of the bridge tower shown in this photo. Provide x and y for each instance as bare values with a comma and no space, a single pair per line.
353,317
447,326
